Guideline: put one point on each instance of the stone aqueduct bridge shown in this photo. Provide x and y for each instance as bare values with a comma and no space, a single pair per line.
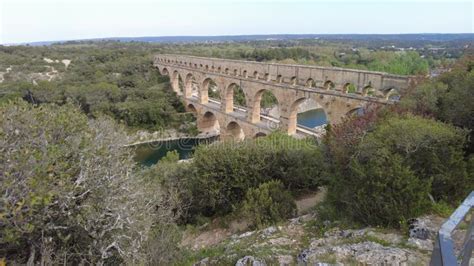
290,84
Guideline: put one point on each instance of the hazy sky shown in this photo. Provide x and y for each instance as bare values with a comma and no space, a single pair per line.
43,20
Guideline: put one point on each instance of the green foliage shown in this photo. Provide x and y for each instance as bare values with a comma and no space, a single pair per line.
66,188
442,209
268,100
213,91
381,191
117,81
268,203
404,63
220,174
239,96
425,98
449,97
433,150
351,88
395,167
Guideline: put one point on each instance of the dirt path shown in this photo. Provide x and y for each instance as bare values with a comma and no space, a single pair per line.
307,202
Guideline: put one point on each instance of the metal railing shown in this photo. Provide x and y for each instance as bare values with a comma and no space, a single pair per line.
443,252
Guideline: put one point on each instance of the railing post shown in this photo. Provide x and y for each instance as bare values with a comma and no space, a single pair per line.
466,251
436,259
443,251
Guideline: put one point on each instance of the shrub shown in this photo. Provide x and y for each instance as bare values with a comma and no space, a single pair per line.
394,168
433,151
223,172
269,203
380,191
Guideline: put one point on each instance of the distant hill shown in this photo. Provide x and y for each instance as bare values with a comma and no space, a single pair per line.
432,37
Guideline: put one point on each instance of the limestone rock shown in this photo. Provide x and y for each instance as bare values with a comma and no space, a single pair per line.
285,260
203,262
281,241
269,230
367,253
422,228
246,234
426,244
250,261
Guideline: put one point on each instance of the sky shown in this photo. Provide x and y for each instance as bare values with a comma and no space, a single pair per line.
51,20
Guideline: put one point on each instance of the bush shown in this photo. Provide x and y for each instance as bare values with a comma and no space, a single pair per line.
380,191
223,172
269,203
394,168
432,150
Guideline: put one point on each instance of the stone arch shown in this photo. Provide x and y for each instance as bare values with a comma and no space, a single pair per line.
191,108
392,94
259,135
255,75
368,91
209,123
310,112
293,81
297,107
329,85
309,83
189,81
207,67
234,131
226,71
236,72
219,69
266,77
358,111
245,74
164,72
349,88
256,110
279,79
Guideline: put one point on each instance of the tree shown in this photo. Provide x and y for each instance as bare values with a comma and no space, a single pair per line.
70,192
448,98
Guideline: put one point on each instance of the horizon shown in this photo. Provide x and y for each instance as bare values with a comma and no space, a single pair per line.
28,21
134,38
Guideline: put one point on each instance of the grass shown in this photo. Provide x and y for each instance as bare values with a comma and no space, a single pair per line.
366,238
328,258
442,209
190,257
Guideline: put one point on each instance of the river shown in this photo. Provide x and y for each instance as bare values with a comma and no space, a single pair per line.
312,118
150,153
